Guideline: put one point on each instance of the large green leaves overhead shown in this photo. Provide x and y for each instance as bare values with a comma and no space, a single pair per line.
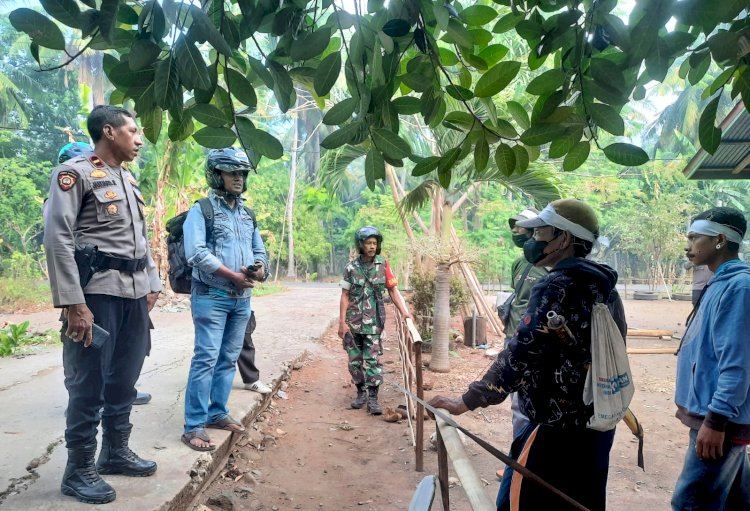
391,144
607,118
311,45
64,11
215,138
709,134
39,28
496,79
192,68
626,154
209,66
374,167
327,73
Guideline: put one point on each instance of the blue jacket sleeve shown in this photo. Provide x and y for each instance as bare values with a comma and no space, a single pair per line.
733,354
259,249
196,250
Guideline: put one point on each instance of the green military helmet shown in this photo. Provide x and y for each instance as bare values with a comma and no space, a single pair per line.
70,151
367,232
229,159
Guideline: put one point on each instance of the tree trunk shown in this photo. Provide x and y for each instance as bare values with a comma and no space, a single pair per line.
291,269
439,362
158,240
442,313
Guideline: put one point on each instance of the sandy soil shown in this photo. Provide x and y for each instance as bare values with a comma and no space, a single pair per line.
312,452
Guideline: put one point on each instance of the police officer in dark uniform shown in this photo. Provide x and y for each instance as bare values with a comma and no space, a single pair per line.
101,272
68,152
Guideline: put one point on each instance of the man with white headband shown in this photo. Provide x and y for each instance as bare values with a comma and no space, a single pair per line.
547,367
712,391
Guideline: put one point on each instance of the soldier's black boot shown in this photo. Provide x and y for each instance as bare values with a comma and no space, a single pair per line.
361,398
82,481
117,458
372,404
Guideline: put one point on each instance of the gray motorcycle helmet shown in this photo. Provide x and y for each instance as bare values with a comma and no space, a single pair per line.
229,159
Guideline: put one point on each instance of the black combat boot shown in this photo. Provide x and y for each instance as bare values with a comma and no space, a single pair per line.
82,481
117,458
372,404
361,398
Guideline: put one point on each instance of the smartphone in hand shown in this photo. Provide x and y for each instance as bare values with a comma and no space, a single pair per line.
251,269
99,335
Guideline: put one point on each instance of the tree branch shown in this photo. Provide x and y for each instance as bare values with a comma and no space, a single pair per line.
466,194
73,57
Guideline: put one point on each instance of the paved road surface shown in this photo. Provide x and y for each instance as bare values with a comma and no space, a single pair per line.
33,401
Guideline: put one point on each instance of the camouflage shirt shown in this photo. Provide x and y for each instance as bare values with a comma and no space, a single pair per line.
367,285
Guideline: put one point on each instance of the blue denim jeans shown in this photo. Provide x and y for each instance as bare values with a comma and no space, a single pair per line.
713,485
219,331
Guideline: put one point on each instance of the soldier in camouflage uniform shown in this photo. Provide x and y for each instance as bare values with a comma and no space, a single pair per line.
362,315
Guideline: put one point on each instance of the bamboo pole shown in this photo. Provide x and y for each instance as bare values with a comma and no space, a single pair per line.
469,478
637,332
416,343
479,298
652,351
394,191
443,471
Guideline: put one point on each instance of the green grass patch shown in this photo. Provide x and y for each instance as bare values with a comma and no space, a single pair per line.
16,339
21,294
267,288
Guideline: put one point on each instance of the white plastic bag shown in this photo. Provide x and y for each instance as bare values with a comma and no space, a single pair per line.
609,382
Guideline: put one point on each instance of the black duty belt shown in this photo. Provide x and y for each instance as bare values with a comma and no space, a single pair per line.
107,262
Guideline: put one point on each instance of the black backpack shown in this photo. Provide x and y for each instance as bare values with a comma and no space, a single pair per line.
180,273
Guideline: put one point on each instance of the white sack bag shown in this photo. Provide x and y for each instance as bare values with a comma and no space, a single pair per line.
609,382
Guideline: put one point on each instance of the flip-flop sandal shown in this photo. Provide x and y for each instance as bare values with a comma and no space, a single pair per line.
199,434
226,424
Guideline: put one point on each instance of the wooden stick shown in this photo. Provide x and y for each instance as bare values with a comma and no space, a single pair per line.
637,332
443,471
652,351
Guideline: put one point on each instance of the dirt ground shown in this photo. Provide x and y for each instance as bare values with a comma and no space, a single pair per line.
312,452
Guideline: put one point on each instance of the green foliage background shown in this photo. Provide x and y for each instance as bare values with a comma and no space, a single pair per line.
643,209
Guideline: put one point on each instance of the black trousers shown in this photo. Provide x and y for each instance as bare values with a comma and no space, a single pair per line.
105,376
246,362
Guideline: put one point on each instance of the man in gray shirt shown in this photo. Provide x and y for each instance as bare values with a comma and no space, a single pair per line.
101,272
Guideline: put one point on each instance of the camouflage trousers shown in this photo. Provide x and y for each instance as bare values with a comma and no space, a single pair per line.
363,351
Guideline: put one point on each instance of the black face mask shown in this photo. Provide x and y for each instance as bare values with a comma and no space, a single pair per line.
520,239
533,250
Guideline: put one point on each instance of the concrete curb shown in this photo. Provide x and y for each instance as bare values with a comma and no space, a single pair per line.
205,471
34,399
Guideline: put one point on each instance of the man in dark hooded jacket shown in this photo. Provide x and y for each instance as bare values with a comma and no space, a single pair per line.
547,367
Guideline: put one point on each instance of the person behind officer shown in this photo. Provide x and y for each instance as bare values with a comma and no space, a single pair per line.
68,151
701,275
524,275
225,262
249,372
362,315
712,389
547,368
96,218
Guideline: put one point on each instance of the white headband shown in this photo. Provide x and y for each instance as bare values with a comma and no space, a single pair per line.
550,217
709,228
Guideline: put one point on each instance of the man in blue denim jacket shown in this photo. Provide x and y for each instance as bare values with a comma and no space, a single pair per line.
225,262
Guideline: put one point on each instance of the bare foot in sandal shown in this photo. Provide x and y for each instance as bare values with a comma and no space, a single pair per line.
198,440
227,424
